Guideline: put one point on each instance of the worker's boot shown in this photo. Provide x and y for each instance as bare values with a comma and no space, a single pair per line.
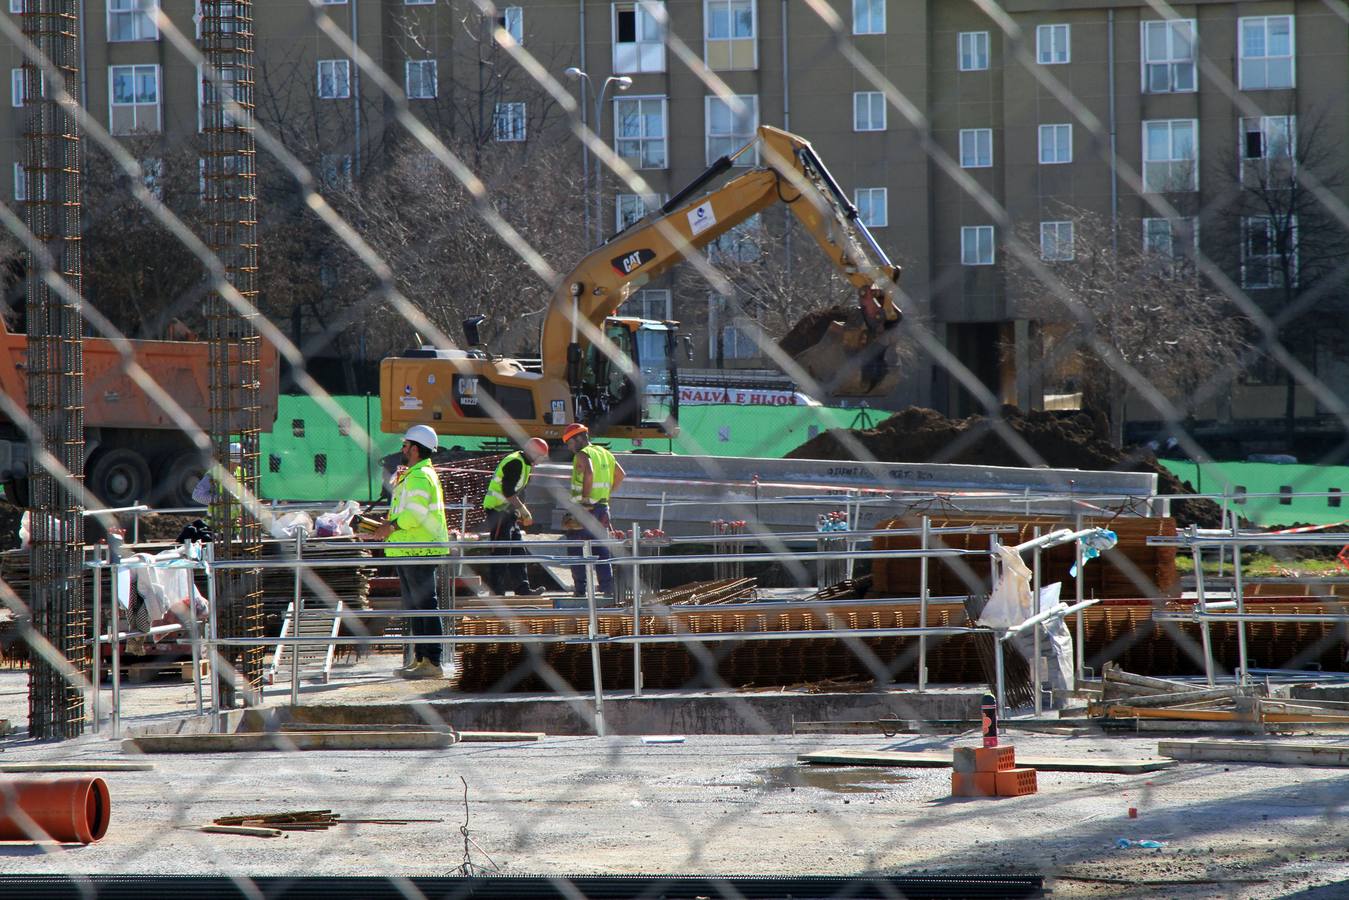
525,589
424,669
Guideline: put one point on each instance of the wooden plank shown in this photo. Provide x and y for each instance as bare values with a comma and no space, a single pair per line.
248,742
1113,672
241,829
932,759
1265,752
108,766
499,737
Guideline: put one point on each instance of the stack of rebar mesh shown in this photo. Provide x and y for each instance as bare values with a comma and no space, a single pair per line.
465,482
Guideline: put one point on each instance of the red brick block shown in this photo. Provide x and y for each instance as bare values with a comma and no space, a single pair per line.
1015,782
983,759
974,784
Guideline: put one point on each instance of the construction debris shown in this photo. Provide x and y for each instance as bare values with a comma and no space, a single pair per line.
1261,752
304,820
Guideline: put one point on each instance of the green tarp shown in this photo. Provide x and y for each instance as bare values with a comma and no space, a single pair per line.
310,455
1282,481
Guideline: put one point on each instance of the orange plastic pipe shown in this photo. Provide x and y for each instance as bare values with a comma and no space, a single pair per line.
69,810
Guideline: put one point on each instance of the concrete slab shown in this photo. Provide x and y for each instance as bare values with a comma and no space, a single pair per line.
255,742
937,759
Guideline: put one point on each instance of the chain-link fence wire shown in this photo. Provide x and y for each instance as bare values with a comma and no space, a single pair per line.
1087,324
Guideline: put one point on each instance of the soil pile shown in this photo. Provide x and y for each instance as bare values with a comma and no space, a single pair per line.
1074,442
810,329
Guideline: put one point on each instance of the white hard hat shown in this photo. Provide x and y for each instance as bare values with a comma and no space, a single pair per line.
424,435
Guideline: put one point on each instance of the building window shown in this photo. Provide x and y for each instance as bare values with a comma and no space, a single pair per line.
640,131
1056,144
729,129
639,37
1168,56
512,21
631,208
229,19
16,87
134,93
1267,149
649,303
729,335
20,183
1173,240
1056,241
420,79
334,79
973,49
132,20
976,148
508,122
1171,155
419,2
1266,52
16,6
1051,45
206,96
335,170
743,243
868,16
1268,252
332,2
730,31
976,245
872,206
868,111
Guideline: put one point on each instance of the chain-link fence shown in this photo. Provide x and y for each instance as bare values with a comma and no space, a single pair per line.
927,351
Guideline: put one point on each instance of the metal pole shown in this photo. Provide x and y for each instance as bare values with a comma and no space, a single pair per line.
636,614
296,602
98,636
1080,661
999,667
212,635
848,542
1035,605
194,634
593,631
1239,587
1222,551
136,526
660,523
1200,602
116,659
923,594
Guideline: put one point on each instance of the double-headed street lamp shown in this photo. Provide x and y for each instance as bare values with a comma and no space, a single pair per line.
623,82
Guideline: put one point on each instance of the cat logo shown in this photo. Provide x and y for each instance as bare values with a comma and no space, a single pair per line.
631,262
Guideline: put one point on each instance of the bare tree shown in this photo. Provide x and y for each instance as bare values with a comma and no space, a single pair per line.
1289,249
1110,299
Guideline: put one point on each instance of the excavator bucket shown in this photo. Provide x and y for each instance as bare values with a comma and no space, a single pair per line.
849,352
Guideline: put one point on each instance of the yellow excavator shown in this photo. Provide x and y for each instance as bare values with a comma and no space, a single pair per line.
625,384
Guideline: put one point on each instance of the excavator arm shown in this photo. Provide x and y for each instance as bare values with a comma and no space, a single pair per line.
789,172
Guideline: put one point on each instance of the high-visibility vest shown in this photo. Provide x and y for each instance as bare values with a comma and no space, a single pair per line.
495,496
602,465
418,512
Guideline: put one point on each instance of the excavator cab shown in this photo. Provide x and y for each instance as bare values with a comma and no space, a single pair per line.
608,396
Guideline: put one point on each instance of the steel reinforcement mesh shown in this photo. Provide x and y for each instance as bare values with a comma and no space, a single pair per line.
323,185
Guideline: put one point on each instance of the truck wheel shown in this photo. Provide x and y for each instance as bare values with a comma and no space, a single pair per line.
176,478
119,477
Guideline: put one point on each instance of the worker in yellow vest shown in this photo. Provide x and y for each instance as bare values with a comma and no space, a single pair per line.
417,516
595,475
507,515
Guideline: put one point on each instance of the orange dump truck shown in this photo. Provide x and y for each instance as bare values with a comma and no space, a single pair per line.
135,451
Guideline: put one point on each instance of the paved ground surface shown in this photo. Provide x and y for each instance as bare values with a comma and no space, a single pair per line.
720,804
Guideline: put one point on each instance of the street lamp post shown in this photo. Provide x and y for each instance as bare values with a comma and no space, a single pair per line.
623,82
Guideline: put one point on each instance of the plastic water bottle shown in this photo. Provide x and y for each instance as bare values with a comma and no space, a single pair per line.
1127,844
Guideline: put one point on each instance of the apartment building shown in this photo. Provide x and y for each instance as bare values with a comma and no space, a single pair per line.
948,121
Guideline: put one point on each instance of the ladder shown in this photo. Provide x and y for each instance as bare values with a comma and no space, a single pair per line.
315,660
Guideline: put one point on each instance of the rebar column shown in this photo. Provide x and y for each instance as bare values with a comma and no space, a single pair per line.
230,203
55,373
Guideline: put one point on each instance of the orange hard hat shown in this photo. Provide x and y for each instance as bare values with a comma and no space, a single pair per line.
572,430
537,447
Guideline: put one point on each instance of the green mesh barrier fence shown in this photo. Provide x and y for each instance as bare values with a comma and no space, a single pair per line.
1283,481
309,455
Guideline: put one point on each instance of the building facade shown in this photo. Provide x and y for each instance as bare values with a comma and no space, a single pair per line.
950,122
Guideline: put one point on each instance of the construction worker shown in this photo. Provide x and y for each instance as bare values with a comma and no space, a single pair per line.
202,492
417,516
595,475
507,515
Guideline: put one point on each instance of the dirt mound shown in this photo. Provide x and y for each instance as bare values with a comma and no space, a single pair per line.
1029,439
810,329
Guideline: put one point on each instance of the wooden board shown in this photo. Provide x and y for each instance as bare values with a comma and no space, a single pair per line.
248,742
920,759
108,766
1265,752
499,737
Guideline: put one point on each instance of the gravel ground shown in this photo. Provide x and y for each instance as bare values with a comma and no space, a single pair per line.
718,804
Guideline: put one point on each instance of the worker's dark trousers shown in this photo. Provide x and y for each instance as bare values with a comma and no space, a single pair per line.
418,587
604,573
503,524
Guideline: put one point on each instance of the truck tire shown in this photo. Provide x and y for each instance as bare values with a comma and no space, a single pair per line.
119,477
175,479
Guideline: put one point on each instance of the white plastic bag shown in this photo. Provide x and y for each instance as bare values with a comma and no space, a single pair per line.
1009,605
290,525
1056,642
337,521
